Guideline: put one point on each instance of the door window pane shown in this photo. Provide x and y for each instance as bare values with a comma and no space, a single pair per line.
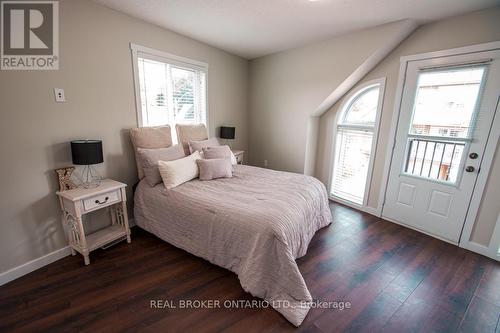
445,109
445,101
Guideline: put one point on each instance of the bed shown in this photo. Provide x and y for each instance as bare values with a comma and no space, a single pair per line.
255,224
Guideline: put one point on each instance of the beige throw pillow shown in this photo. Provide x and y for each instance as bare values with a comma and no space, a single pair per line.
150,138
175,173
187,132
215,168
199,145
149,160
219,152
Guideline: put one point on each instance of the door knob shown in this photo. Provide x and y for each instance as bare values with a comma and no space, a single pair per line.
470,169
473,156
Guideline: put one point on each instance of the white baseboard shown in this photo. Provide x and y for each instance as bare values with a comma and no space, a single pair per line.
30,266
481,249
366,209
372,211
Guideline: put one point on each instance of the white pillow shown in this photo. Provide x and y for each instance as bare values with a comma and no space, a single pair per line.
177,172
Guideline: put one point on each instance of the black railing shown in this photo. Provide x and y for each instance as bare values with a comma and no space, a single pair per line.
434,159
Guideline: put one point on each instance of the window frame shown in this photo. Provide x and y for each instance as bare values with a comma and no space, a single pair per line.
338,123
139,51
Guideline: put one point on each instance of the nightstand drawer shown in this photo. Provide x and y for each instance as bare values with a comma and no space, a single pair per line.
101,200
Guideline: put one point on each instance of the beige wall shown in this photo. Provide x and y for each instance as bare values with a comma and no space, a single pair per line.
473,28
96,73
285,88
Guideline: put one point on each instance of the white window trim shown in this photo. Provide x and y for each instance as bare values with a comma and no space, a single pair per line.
340,114
173,59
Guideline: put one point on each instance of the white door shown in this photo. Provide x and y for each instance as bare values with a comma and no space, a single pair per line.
447,109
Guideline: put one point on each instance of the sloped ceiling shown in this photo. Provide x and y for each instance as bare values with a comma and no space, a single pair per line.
389,44
287,88
254,28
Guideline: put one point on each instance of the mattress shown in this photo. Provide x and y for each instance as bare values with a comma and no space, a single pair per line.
255,224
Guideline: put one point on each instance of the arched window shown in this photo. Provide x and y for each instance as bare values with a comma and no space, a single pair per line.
355,137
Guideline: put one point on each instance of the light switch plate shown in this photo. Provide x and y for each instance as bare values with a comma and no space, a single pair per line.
59,94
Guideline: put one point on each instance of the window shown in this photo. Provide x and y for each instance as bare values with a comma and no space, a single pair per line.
169,89
355,138
443,119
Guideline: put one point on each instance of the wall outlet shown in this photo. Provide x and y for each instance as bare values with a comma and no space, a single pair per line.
265,163
59,95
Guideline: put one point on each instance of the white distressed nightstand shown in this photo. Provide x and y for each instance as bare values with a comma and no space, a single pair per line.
239,156
75,203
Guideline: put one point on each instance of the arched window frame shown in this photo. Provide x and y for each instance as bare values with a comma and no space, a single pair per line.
340,123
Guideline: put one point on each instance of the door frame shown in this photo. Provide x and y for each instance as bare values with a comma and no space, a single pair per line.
489,153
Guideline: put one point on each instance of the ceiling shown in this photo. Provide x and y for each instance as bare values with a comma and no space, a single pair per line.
254,28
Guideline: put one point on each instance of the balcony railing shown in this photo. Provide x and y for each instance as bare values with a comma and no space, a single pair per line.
434,159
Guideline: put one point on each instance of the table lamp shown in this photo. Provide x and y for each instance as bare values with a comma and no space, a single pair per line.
87,153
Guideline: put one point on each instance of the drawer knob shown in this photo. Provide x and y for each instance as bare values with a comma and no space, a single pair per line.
102,202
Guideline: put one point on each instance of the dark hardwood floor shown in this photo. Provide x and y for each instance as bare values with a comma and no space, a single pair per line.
396,279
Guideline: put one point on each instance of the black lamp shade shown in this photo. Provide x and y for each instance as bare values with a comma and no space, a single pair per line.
86,152
227,132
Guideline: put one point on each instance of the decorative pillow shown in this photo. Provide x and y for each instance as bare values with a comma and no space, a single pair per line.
177,172
149,160
187,132
199,145
150,138
215,168
219,152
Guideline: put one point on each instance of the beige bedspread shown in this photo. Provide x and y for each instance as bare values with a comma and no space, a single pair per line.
255,224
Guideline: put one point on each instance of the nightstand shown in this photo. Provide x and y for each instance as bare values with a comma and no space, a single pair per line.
75,203
239,156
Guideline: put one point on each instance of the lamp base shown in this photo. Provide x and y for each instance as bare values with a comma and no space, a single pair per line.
90,177
92,184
